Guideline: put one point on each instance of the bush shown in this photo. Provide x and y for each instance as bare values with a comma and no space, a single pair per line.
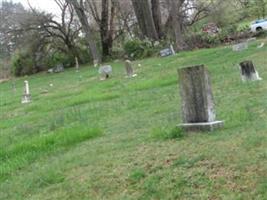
203,40
137,49
22,63
56,58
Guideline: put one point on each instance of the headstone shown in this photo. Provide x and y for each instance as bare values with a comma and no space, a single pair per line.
261,45
240,47
251,39
95,63
26,97
129,69
172,49
167,52
14,86
198,109
105,72
57,69
248,71
51,70
77,64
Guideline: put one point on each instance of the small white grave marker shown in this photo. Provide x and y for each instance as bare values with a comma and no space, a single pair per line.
261,45
172,49
26,97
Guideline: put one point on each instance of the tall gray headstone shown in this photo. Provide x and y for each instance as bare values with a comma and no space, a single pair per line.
248,71
198,110
26,97
129,69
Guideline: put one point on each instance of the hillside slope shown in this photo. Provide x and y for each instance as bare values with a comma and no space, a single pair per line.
88,139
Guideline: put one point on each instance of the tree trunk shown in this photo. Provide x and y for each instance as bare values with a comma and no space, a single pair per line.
157,17
145,19
104,28
86,28
177,24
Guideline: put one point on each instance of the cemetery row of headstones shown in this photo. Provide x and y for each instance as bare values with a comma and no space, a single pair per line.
245,44
198,108
105,71
197,99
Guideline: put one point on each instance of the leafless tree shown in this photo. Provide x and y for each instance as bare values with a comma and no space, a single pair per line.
79,8
65,29
104,13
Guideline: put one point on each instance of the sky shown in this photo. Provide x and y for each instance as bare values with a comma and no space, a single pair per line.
44,5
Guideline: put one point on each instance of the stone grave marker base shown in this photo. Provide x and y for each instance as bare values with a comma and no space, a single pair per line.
26,99
205,126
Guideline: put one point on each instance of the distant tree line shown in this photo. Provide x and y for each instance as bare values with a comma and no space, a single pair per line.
99,30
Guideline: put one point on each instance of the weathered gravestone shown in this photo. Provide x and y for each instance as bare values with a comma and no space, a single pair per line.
26,97
172,49
57,69
77,64
105,72
251,39
129,69
95,63
198,109
248,71
240,47
167,52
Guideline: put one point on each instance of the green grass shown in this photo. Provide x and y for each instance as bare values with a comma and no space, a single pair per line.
116,139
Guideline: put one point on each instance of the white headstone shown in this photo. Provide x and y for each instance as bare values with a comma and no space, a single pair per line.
251,39
261,45
172,49
26,97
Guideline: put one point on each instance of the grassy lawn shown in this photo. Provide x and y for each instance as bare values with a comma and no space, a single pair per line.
86,139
